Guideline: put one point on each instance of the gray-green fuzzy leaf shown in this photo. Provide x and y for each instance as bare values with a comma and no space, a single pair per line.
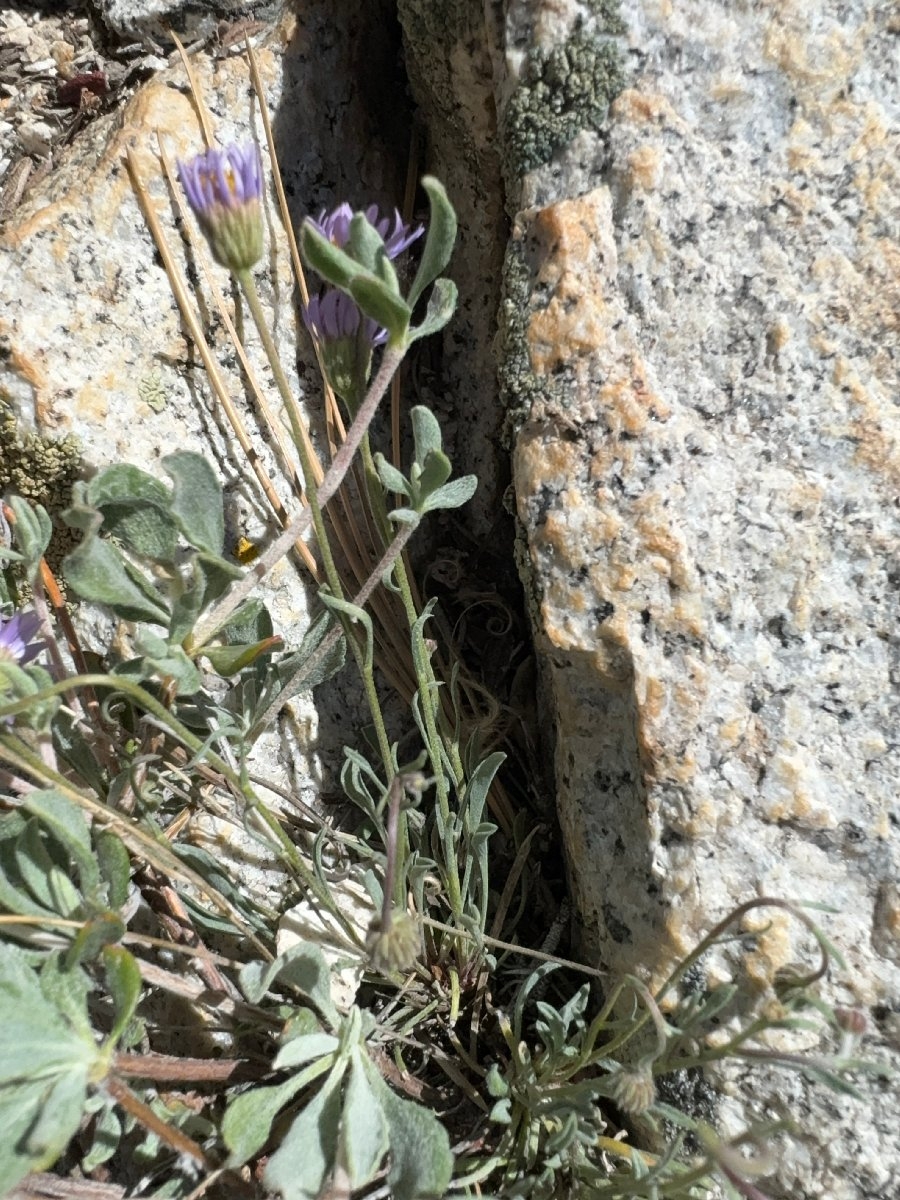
304,1160
364,1130
439,240
304,966
97,572
441,307
196,503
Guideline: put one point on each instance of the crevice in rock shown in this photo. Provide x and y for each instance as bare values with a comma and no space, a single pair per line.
423,76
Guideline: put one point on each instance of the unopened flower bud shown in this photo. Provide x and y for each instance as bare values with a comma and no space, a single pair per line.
395,948
634,1090
851,1020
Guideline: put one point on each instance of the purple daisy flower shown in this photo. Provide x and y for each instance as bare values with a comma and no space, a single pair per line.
333,315
224,188
346,339
335,226
17,644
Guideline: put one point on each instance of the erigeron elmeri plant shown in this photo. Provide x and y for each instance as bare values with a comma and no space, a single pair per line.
103,771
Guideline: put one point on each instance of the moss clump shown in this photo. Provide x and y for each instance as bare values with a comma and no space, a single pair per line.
561,92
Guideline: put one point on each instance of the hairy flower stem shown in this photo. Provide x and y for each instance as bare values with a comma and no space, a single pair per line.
304,450
334,477
392,848
424,672
296,682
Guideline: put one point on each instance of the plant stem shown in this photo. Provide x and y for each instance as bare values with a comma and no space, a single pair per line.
300,435
295,684
178,1141
304,450
200,748
334,477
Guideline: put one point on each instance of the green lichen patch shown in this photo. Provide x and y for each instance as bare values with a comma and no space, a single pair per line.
38,468
608,12
561,92
519,386
41,470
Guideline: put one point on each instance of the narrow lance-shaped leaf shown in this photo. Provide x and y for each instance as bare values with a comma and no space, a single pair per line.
378,301
33,528
304,966
426,432
364,1129
326,259
439,240
355,614
453,494
247,1122
365,244
123,978
434,473
441,307
421,1161
96,571
69,827
393,480
135,509
304,1160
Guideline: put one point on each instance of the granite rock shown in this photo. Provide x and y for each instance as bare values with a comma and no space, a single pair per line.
707,477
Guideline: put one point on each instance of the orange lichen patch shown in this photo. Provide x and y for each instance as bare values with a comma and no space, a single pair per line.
885,256
603,524
577,235
579,260
29,371
687,614
557,532
874,133
683,932
155,106
538,460
91,401
630,401
791,776
642,107
651,695
806,59
728,87
566,329
732,730
624,577
661,540
878,445
643,166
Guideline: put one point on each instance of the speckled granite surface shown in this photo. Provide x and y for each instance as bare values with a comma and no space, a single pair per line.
708,477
